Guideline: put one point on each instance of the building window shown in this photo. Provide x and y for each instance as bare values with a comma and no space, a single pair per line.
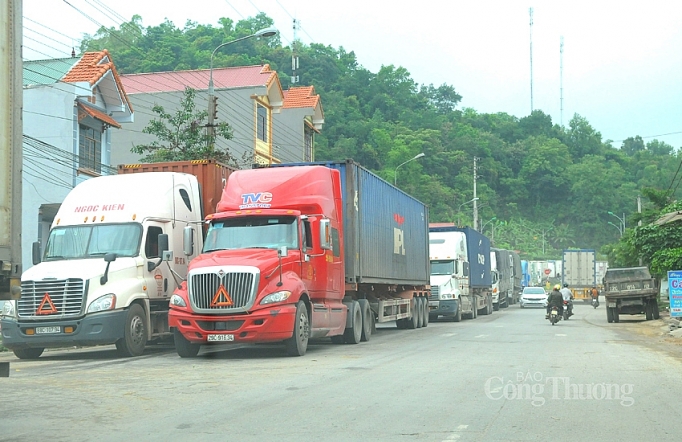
262,123
308,141
89,148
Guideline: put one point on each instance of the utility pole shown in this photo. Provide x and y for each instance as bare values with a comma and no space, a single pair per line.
561,81
475,198
294,53
530,11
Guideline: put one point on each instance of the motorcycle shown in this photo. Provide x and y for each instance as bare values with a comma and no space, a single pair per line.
554,315
595,302
568,311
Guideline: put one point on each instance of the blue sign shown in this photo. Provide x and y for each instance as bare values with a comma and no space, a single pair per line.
675,292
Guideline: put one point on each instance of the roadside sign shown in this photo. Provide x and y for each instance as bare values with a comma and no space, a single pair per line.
675,292
548,271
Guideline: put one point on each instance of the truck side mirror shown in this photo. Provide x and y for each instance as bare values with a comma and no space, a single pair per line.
36,253
188,241
283,251
163,243
325,234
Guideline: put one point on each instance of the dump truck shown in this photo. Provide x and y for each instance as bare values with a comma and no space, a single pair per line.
630,291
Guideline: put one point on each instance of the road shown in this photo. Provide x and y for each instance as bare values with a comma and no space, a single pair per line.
506,377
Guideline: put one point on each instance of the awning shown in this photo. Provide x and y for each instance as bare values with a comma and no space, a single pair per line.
98,115
668,218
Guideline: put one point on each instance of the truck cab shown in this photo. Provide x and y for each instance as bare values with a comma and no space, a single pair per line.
449,275
100,278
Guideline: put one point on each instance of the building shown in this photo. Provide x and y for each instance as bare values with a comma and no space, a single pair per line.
266,127
71,106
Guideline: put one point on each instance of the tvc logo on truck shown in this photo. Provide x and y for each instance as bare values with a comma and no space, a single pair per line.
256,200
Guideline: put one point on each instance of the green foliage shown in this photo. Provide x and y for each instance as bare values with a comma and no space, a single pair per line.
548,187
182,135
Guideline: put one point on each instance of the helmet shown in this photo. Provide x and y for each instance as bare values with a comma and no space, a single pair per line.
557,287
565,284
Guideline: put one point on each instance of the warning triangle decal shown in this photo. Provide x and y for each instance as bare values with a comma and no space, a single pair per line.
46,307
222,298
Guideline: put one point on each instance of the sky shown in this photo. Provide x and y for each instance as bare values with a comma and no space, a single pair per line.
621,59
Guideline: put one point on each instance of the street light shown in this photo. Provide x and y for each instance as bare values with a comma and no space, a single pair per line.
464,204
266,32
488,222
622,222
395,175
617,227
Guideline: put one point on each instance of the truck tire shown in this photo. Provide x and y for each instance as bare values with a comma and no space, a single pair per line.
401,324
413,322
648,311
656,312
496,307
420,311
458,315
28,353
367,320
609,315
134,334
297,344
183,347
425,312
354,335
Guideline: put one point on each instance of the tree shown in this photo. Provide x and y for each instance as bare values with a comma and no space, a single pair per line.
182,135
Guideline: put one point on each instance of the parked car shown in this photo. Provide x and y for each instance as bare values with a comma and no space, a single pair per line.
533,297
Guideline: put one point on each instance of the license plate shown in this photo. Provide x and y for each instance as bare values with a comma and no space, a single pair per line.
48,330
220,338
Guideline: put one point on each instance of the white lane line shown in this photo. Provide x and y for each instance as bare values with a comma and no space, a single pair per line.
481,336
448,335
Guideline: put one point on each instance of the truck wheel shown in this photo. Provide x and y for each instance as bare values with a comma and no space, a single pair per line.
425,315
401,324
413,322
420,312
616,315
656,313
354,335
134,334
609,315
183,347
458,315
28,353
297,344
367,319
648,311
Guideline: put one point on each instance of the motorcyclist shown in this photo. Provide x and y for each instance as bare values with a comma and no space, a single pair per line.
555,299
595,296
567,296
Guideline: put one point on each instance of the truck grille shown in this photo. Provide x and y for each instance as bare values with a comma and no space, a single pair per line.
222,291
65,295
435,292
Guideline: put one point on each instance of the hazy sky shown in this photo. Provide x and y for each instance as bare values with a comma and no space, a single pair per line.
622,60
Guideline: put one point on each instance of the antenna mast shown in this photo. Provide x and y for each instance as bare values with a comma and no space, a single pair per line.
294,53
561,80
530,11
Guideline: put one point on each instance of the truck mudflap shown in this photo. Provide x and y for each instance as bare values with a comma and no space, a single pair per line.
95,329
266,325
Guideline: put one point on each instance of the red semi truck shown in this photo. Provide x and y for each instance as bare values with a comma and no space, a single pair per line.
305,251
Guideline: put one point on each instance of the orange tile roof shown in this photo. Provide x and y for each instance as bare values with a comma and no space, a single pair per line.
99,115
303,96
92,67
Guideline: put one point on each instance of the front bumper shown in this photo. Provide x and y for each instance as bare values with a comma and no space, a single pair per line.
266,325
532,303
93,329
446,307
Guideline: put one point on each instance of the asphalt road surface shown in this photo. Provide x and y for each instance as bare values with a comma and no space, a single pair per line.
510,376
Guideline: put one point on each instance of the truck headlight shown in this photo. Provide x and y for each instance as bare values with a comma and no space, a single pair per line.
178,301
280,296
106,302
8,309
446,296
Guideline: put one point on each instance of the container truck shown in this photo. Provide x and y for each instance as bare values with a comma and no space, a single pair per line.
476,282
517,277
10,149
505,276
450,294
101,279
580,272
302,251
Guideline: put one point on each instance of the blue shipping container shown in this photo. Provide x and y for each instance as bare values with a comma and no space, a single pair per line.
386,231
478,253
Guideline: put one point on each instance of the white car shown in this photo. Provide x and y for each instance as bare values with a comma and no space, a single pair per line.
533,297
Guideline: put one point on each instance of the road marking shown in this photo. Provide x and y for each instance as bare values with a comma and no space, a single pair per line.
455,435
448,335
560,334
481,336
462,427
499,326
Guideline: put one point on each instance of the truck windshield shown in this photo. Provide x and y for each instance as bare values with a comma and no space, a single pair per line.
442,267
252,232
76,242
